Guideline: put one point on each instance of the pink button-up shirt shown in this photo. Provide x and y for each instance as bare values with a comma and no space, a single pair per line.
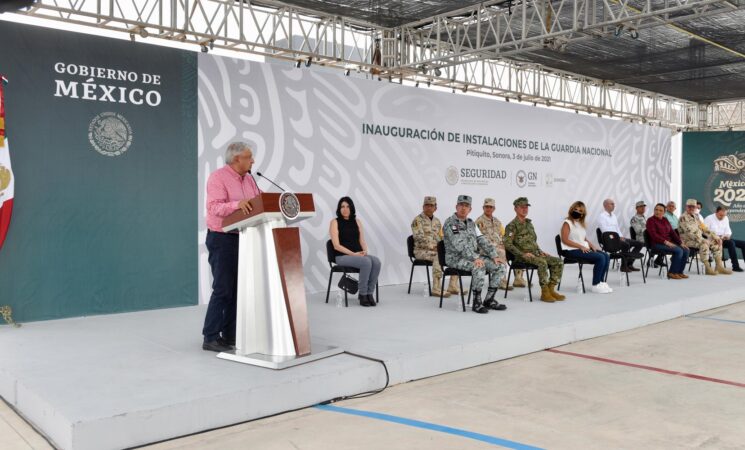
225,189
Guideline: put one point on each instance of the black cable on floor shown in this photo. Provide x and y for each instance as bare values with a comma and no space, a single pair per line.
363,394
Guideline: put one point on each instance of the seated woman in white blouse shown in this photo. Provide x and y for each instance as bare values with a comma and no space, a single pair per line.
574,242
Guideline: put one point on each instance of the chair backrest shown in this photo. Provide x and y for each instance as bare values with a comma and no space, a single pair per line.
559,250
410,246
441,253
510,256
611,242
632,233
599,235
330,254
646,241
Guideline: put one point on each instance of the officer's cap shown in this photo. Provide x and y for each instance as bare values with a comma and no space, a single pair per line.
489,202
640,203
430,200
691,202
521,201
464,199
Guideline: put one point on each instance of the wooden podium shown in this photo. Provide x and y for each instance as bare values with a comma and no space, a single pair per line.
272,320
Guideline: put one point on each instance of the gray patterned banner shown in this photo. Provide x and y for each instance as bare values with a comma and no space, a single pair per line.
387,146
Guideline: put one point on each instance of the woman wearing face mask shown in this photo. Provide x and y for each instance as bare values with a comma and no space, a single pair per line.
574,242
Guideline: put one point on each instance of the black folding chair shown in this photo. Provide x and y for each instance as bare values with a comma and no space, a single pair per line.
612,245
451,271
417,262
568,259
599,235
517,265
336,268
652,253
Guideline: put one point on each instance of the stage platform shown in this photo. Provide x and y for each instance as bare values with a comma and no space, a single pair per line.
130,379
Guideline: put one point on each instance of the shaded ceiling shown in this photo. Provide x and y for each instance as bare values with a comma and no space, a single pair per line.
666,59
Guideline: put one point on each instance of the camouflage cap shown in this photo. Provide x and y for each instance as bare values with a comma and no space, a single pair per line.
430,200
521,201
464,199
489,202
691,202
640,203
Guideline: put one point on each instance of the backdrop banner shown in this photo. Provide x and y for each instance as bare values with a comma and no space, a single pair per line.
714,174
104,162
387,146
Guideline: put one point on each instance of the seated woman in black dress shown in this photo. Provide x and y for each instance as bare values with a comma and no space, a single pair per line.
348,239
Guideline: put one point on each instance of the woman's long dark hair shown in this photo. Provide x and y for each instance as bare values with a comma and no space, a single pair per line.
352,211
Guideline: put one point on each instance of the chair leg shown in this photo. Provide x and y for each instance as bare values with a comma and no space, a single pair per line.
582,278
509,273
530,284
429,283
411,277
462,299
328,289
627,279
442,288
644,276
377,292
698,270
346,294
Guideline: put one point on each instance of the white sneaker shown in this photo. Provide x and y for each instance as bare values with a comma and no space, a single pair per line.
605,285
599,289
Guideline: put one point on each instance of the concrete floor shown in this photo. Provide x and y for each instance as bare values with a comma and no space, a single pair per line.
543,400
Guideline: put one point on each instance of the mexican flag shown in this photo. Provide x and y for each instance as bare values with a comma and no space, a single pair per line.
6,174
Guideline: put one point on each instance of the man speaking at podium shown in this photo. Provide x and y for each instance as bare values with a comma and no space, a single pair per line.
228,189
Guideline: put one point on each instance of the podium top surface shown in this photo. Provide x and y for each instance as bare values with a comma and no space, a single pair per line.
265,207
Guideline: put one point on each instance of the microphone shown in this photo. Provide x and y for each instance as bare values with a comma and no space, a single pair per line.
267,179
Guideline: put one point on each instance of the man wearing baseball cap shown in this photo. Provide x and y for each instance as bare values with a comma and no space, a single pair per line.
692,236
520,240
427,232
493,229
464,250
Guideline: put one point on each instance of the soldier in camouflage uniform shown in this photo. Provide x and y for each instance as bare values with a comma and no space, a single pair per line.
463,249
427,232
520,240
492,228
692,235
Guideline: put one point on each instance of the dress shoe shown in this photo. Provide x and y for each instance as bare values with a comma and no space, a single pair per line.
216,346
673,276
682,276
626,269
363,300
736,269
633,269
371,300
230,342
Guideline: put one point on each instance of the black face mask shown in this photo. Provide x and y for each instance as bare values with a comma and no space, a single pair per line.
576,215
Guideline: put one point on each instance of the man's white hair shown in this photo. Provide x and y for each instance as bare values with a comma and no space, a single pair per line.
235,149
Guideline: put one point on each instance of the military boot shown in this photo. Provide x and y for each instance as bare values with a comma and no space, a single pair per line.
519,280
503,285
491,303
708,269
720,267
554,294
546,295
436,283
453,286
476,306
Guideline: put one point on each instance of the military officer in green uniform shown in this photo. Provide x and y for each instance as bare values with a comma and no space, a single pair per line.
427,232
493,229
464,248
520,240
692,230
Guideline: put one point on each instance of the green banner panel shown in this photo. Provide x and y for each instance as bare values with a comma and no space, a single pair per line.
102,138
714,174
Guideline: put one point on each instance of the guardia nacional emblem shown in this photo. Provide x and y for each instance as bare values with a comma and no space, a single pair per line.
110,134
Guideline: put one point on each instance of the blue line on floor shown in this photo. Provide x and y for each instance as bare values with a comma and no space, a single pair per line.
430,426
718,319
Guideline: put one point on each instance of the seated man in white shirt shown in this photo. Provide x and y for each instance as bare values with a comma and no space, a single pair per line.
718,223
607,221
